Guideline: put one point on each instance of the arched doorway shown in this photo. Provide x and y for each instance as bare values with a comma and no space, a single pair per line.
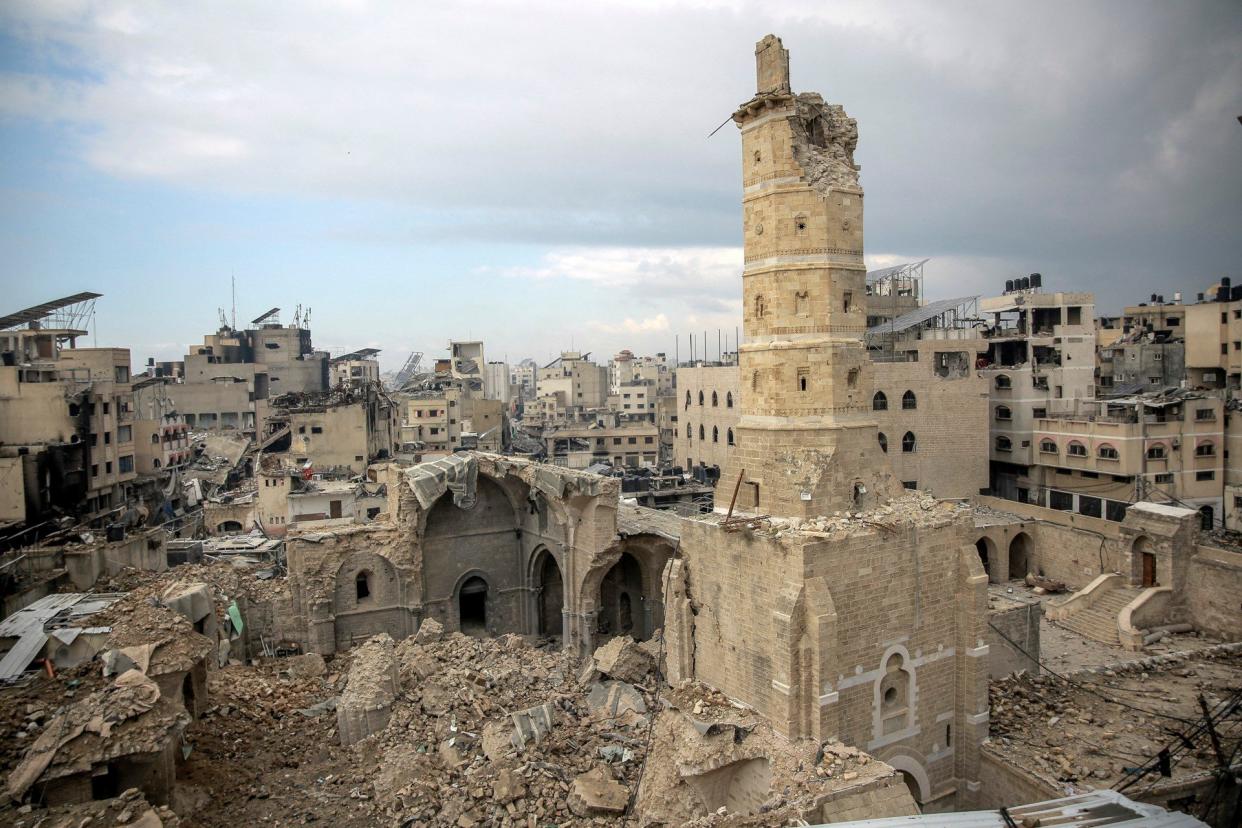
913,785
1207,515
229,526
472,606
985,547
1019,556
551,595
621,609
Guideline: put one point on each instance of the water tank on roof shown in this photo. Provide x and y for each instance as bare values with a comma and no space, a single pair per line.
1036,280
1008,285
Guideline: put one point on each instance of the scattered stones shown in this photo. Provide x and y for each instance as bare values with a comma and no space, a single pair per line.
624,659
596,793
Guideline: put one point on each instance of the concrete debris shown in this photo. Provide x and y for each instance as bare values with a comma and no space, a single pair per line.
597,793
624,659
307,665
612,699
430,630
533,724
364,707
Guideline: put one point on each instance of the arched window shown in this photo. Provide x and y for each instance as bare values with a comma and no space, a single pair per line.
879,402
908,401
687,399
155,438
760,306
1003,413
689,432
1155,451
1003,382
715,434
700,398
1107,452
702,433
1076,449
715,400
801,305
802,383
1003,443
1205,449
883,442
907,442
730,437
1047,446
728,399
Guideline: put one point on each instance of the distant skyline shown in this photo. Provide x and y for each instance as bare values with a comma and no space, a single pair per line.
539,174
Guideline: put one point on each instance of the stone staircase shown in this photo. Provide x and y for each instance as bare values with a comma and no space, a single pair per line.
1099,621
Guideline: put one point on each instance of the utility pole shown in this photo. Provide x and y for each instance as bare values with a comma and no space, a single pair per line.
1140,482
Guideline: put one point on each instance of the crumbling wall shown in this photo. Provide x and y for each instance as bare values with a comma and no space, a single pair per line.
366,704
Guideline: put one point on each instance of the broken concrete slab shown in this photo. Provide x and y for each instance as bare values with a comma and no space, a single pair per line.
430,630
613,698
596,793
307,665
624,659
533,724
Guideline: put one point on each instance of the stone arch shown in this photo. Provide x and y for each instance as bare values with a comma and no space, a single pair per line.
987,555
895,694
484,540
879,402
472,602
229,526
632,567
379,610
915,776
549,591
1021,556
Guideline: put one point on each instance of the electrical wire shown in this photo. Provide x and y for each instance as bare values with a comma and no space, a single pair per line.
1083,687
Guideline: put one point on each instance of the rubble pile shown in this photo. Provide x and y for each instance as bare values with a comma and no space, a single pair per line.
1070,734
713,764
130,810
913,509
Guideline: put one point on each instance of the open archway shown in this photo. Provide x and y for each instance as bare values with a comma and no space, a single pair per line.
1020,549
472,606
621,600
550,592
987,554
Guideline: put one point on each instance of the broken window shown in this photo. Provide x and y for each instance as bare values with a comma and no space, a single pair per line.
1003,413
362,585
1003,443
1003,382
883,442
847,301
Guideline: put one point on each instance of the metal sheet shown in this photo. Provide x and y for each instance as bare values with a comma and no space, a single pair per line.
916,317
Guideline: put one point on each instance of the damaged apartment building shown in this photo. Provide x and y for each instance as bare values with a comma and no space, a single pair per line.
461,404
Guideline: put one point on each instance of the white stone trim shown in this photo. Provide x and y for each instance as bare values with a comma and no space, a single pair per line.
978,718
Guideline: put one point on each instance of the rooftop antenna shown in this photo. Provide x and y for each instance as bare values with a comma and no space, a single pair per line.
233,279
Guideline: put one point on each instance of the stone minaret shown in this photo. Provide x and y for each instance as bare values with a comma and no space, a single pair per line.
806,440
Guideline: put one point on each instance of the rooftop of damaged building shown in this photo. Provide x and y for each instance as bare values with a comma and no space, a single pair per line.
458,473
313,401
911,509
1094,727
127,717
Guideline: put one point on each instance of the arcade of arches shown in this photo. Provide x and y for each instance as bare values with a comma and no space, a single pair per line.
533,550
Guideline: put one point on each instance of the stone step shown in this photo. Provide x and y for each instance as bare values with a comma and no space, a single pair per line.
1102,629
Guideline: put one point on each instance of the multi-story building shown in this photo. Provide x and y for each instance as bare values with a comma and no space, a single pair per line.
496,382
634,401
627,369
620,444
523,379
1040,359
707,414
161,437
1214,338
359,368
346,428
229,379
110,430
1103,455
578,384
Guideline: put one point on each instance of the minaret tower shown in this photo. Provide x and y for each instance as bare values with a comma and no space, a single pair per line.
807,443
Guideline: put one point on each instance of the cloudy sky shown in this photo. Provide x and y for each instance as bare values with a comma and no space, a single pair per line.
539,174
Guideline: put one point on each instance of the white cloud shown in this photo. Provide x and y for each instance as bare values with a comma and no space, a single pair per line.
651,324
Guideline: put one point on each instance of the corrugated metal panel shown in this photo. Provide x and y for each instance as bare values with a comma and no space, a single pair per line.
24,651
37,613
917,317
1090,810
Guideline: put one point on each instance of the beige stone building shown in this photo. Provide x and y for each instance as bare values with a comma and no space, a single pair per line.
577,383
708,410
1214,340
1108,454
344,429
619,443
110,431
161,437
229,379
819,621
358,368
